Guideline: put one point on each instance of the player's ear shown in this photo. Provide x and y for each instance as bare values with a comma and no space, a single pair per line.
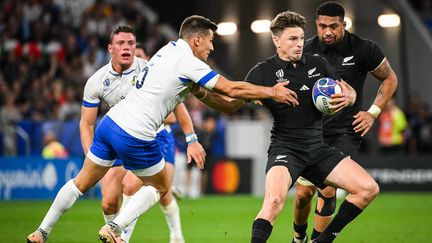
110,48
197,40
275,40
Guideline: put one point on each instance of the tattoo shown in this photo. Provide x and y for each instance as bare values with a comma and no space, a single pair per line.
383,71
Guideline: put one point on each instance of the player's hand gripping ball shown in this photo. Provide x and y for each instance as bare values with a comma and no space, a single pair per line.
321,94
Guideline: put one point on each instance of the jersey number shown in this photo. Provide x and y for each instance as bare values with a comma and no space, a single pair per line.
140,83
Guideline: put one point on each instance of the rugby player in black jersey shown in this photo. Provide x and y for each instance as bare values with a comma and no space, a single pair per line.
352,58
297,147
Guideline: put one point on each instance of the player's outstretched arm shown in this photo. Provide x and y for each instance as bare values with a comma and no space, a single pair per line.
245,90
364,120
195,150
217,101
87,126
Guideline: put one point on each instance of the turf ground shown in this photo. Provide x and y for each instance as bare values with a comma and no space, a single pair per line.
401,217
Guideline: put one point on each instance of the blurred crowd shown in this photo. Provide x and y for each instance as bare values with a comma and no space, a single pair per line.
49,48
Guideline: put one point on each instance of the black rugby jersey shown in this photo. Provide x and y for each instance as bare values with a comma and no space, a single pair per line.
294,126
351,59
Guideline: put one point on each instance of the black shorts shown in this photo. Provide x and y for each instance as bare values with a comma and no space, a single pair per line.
314,165
348,143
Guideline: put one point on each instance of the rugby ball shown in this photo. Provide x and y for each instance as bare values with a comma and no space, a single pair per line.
321,94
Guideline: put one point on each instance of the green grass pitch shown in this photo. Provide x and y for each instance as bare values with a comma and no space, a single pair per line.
392,217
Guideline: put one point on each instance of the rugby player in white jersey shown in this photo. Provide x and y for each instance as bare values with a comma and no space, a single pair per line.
128,130
110,84
132,183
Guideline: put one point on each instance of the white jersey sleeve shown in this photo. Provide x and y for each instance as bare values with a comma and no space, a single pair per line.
191,68
93,89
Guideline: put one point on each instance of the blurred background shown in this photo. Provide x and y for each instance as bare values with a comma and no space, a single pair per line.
48,49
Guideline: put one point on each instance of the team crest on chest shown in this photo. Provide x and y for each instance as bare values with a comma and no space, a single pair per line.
280,75
106,84
348,61
312,74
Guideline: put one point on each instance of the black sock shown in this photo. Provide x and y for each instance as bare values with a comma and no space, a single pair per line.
347,212
315,234
261,230
300,230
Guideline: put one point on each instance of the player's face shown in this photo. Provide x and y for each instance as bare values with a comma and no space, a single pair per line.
204,46
289,44
330,30
122,49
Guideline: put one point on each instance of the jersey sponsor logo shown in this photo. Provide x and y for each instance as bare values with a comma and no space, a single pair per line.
311,73
280,75
346,62
304,87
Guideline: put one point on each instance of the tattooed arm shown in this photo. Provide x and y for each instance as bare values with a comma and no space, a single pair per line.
364,120
388,86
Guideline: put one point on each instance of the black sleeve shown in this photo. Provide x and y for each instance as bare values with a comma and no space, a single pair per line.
254,75
373,55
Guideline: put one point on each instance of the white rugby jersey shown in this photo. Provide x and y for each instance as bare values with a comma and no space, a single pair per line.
109,86
164,82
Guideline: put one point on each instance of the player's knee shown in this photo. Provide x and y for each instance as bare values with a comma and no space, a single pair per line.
372,189
304,196
276,202
163,190
130,188
110,206
368,190
328,205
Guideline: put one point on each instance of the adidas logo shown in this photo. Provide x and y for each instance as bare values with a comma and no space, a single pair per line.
346,62
304,87
311,73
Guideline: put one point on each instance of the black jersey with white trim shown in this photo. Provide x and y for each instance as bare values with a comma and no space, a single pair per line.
299,126
351,59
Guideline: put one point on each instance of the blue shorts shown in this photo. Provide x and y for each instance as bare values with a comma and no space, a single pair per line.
166,142
111,143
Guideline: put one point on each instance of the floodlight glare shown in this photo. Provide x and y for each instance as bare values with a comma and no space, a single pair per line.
227,28
389,20
261,26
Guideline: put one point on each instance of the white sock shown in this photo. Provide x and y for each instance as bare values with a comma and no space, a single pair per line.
127,232
140,202
64,200
172,216
109,217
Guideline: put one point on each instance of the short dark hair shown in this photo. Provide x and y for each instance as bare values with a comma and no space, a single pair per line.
196,24
121,28
331,9
285,20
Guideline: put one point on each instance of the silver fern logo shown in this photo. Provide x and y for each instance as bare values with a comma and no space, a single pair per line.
346,60
280,75
311,73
